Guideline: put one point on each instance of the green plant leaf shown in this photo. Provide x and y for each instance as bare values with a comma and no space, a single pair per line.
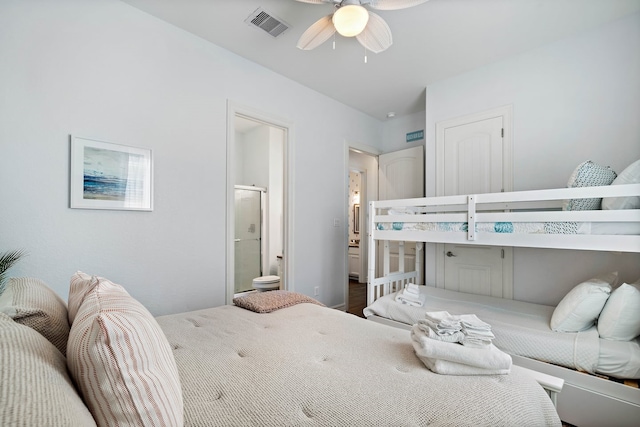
7,260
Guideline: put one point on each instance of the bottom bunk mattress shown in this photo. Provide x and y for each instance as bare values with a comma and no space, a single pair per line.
312,365
522,329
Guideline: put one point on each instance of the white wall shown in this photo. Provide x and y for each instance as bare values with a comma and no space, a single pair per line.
394,133
104,70
573,100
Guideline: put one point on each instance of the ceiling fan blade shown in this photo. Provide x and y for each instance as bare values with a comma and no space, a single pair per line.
317,34
376,36
312,1
393,4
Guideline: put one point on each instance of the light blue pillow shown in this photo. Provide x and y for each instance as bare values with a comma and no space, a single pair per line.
588,174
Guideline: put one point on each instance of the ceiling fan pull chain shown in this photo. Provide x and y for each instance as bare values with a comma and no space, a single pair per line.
334,41
365,48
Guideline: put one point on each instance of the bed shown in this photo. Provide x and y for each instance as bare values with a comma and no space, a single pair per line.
311,364
103,359
522,329
567,218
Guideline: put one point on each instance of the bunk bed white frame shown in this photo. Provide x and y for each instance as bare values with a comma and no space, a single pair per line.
585,399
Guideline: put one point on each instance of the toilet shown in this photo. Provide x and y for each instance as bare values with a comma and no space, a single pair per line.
266,283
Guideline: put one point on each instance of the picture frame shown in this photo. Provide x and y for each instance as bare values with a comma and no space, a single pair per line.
105,175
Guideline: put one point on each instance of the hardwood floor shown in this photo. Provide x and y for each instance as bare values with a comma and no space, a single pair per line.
357,297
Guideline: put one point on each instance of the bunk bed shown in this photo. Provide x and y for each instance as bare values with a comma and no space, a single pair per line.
533,219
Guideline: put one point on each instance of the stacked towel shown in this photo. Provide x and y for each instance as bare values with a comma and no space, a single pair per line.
442,326
466,329
454,359
476,332
411,295
446,337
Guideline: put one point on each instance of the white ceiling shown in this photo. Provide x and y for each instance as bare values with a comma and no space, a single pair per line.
432,41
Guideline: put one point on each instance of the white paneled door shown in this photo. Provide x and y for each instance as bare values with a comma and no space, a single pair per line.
401,176
471,154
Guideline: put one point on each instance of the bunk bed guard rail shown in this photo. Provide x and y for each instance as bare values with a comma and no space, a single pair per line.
462,220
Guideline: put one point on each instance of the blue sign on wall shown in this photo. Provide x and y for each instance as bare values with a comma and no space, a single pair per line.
415,136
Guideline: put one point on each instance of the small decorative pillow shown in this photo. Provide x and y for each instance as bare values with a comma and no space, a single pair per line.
631,175
588,174
580,308
266,302
620,317
35,383
122,361
32,303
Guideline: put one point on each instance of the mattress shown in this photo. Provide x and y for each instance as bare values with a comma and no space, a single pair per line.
312,365
592,228
522,329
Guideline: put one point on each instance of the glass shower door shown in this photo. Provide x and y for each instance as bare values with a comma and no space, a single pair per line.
248,238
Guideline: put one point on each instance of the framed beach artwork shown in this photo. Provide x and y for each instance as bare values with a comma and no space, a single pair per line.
110,176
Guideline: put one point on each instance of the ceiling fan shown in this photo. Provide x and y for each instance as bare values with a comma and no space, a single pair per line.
351,19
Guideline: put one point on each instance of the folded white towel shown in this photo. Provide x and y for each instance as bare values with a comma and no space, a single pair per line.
472,322
444,367
489,357
412,289
475,342
453,337
411,300
442,322
438,329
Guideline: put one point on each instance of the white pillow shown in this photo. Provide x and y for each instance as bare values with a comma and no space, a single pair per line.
631,175
580,308
620,317
588,174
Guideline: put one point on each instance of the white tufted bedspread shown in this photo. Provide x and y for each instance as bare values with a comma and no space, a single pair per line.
308,365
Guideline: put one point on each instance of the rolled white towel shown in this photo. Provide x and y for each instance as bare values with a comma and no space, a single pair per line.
489,357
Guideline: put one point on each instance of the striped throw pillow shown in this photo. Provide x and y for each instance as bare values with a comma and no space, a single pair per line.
35,387
32,303
122,361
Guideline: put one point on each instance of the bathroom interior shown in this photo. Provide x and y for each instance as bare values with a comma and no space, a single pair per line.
259,205
354,253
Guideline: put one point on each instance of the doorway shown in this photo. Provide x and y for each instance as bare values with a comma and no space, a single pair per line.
258,239
362,187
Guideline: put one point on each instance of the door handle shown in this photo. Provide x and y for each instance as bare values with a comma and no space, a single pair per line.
450,254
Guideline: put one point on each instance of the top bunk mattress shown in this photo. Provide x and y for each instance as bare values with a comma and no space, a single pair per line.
507,227
522,329
312,365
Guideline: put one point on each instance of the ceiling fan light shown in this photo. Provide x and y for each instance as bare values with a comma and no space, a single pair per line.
350,20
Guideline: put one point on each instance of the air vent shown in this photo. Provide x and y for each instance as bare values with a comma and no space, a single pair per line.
267,22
